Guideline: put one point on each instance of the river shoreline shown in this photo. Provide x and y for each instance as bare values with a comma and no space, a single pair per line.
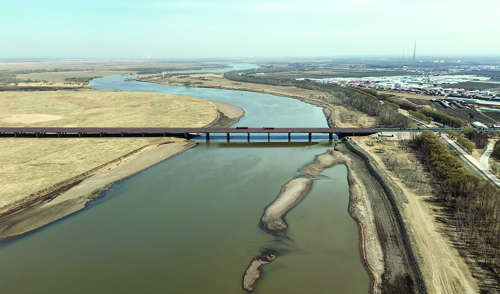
386,250
69,196
390,263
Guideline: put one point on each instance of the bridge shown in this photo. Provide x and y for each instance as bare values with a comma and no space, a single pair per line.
39,132
69,132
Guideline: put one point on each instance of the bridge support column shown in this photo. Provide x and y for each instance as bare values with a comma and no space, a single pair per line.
185,135
80,134
289,137
268,137
330,136
164,135
207,136
248,137
58,134
227,137
121,133
310,137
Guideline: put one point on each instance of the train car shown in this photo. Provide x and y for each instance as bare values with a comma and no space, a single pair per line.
479,125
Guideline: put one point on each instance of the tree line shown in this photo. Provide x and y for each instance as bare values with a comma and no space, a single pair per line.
471,203
351,97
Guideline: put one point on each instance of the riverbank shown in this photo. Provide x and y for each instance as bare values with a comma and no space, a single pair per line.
71,195
336,115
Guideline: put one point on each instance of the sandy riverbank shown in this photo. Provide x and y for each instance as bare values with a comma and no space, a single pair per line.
71,195
336,115
363,190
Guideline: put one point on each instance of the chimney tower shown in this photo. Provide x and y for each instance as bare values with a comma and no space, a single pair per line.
414,51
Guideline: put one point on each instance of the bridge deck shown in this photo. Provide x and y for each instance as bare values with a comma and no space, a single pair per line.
185,130
188,132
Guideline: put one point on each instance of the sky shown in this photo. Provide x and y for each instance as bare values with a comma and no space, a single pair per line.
246,29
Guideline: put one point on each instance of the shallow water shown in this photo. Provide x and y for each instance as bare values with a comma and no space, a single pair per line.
191,224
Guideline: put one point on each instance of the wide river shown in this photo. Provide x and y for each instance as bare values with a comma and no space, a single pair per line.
191,224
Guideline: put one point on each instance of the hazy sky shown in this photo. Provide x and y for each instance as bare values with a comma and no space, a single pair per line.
234,28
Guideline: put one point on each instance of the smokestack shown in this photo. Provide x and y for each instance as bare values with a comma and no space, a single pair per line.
414,51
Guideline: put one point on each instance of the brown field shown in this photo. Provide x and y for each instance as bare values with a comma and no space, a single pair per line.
91,108
58,70
94,64
30,164
476,86
58,78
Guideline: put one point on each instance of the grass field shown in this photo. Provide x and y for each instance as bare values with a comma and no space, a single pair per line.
29,165
91,108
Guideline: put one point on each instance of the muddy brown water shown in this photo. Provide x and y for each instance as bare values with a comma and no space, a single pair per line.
191,223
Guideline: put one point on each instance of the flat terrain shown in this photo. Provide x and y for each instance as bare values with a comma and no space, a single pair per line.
95,64
54,73
91,108
29,165
329,73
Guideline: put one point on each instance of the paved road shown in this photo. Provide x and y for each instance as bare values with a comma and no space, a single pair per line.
488,175
486,155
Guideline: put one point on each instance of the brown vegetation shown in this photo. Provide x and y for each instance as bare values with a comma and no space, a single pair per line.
471,207
30,165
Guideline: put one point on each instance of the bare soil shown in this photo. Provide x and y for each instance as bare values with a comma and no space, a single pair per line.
443,268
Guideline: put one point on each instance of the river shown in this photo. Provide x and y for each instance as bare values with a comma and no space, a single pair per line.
191,224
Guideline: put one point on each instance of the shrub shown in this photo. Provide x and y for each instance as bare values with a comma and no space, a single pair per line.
442,117
466,144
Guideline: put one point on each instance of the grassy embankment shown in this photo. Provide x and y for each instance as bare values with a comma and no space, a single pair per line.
31,164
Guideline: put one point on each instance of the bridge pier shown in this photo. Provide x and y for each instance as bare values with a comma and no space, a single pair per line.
227,137
310,137
289,137
207,136
248,137
268,137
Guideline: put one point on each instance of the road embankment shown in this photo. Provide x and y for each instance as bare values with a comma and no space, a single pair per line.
380,218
